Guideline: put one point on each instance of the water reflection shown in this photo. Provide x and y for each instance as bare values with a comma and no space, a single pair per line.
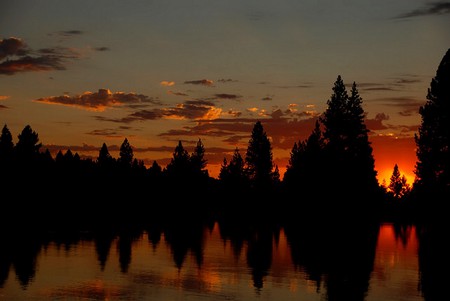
228,259
434,260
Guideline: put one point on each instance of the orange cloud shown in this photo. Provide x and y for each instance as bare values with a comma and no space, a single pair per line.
203,82
4,97
166,83
98,101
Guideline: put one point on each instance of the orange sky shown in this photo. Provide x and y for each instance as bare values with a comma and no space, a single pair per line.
171,71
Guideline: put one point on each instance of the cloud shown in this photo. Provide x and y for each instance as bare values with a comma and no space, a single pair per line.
227,96
377,123
166,83
189,110
227,80
68,33
16,56
4,97
408,105
12,47
99,101
203,82
177,93
2,107
103,48
267,98
284,131
433,8
111,133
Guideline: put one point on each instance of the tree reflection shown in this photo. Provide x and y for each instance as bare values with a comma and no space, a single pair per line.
339,255
434,260
185,235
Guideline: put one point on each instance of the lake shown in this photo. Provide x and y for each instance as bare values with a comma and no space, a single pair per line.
223,261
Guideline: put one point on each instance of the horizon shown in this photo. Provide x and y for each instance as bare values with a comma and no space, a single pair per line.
156,73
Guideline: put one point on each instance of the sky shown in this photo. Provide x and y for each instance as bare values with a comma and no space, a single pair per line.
83,73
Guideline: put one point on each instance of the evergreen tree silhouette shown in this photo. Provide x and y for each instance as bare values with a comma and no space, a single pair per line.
179,165
6,145
350,163
232,174
155,170
125,154
104,158
258,159
27,147
197,160
398,184
433,138
305,167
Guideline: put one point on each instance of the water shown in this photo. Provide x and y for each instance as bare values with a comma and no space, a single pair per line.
216,263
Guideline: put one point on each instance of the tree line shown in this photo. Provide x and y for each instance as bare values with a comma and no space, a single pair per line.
332,170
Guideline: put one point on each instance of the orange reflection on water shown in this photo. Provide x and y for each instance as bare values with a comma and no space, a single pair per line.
396,263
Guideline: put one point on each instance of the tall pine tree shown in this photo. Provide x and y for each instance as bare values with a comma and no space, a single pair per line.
350,165
259,158
433,138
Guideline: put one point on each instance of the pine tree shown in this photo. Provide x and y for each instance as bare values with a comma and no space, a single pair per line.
398,185
125,154
27,147
179,165
258,159
305,165
6,145
349,158
104,159
233,174
433,138
197,160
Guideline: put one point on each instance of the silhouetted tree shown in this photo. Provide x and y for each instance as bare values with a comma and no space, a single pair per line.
258,159
398,185
6,145
232,174
27,147
155,170
305,167
179,165
104,159
197,160
59,158
125,154
433,139
350,162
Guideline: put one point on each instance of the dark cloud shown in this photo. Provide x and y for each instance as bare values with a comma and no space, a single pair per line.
291,87
191,109
177,93
284,132
54,148
68,33
99,100
102,48
227,96
227,80
104,132
407,81
203,82
377,123
267,98
408,105
16,56
13,47
2,107
433,8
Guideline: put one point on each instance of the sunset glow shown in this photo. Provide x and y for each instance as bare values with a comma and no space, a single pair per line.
165,69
